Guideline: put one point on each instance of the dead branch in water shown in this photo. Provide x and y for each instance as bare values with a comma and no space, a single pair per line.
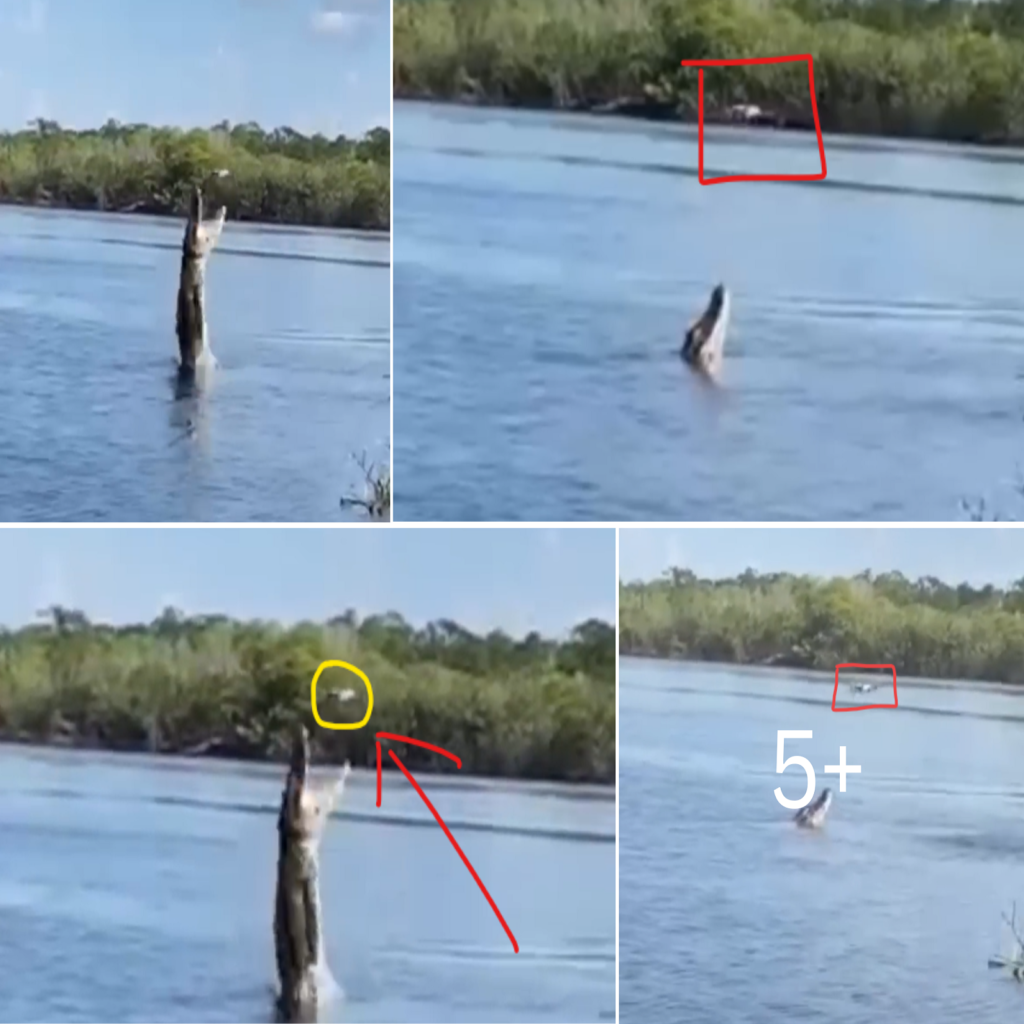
1014,964
1012,922
377,497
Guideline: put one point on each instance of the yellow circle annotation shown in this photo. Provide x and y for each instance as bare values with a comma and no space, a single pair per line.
369,692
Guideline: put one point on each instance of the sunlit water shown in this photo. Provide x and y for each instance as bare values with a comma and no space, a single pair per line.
94,423
547,266
730,914
138,889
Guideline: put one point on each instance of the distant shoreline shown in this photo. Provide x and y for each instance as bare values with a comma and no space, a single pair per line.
150,210
85,745
827,677
890,69
927,628
636,109
278,177
655,113
214,687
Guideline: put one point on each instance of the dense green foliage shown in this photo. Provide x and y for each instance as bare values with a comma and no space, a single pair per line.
949,69
532,708
923,627
279,176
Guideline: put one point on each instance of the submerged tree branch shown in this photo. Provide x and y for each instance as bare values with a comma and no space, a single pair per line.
376,499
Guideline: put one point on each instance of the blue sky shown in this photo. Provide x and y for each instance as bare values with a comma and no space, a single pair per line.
311,64
515,579
973,555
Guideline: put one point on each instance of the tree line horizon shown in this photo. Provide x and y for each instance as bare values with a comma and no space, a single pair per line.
218,686
276,176
925,626
949,70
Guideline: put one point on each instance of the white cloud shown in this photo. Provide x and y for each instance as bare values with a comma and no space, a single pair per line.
335,22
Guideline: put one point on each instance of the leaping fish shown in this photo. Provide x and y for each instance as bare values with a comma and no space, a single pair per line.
298,919
705,338
813,815
190,320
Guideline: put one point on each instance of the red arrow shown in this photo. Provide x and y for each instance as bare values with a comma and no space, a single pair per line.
437,817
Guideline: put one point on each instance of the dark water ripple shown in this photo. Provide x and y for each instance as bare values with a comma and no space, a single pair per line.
370,818
875,188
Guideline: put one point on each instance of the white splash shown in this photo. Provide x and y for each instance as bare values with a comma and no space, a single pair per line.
206,360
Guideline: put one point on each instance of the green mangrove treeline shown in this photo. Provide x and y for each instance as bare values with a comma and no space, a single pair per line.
945,69
277,176
532,708
923,627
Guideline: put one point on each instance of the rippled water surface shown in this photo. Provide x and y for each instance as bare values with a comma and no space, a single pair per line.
547,266
94,424
729,914
134,889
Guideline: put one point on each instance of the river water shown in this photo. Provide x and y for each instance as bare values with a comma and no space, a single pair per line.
94,424
730,914
547,265
139,889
